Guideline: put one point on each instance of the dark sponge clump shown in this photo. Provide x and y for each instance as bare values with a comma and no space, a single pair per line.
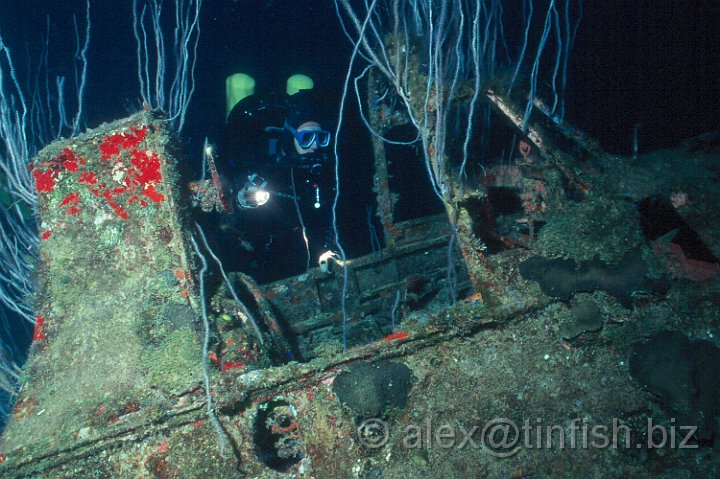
684,374
372,389
562,278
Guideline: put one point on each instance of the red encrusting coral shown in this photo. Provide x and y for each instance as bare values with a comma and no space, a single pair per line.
147,167
118,209
87,177
44,181
232,365
25,407
143,174
39,332
112,144
73,199
70,160
140,170
151,193
395,336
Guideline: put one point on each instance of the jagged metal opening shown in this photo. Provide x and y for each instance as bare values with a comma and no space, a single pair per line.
275,435
499,219
659,218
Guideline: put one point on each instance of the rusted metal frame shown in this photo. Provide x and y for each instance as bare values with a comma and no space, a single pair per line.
381,178
576,136
459,219
508,110
248,387
535,134
278,340
367,299
471,248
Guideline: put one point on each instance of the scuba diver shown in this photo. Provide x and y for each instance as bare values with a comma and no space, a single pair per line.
277,180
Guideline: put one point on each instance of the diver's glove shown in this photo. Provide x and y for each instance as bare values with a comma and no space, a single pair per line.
328,259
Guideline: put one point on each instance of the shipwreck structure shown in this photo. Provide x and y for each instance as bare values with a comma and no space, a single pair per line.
139,370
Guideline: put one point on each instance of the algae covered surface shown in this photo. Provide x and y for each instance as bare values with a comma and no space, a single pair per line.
536,385
111,266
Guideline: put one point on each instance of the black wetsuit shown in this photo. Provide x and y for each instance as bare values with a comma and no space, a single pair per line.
267,242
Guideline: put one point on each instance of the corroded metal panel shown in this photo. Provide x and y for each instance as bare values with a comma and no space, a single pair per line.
115,334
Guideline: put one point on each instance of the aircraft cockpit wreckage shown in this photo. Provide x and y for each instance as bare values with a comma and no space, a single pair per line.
550,284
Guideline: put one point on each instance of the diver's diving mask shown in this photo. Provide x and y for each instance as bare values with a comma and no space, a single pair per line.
306,138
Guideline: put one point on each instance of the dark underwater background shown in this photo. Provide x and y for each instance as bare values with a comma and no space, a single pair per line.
646,62
649,62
